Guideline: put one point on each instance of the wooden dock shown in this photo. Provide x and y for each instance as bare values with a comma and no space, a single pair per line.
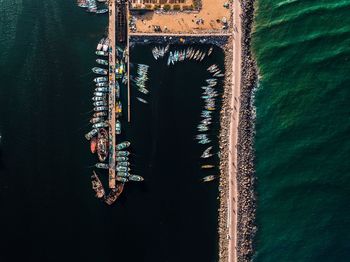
111,100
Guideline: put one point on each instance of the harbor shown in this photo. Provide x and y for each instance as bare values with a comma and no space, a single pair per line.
235,235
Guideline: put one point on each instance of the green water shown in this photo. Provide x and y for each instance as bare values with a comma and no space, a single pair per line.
303,127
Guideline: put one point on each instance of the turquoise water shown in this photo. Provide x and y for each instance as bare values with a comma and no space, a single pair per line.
303,127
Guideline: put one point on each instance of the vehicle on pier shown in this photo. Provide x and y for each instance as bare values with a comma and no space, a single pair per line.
97,185
102,144
123,145
99,71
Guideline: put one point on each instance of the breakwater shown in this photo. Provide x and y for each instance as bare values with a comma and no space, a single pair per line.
246,181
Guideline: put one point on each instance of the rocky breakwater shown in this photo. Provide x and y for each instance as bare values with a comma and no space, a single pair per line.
246,180
246,202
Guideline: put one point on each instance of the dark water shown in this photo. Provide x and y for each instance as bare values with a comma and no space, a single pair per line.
48,211
303,127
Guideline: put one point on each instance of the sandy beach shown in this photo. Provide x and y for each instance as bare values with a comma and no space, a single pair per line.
185,22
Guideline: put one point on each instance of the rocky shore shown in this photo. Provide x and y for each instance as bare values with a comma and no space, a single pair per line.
246,202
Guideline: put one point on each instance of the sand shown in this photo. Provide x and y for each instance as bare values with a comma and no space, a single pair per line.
181,22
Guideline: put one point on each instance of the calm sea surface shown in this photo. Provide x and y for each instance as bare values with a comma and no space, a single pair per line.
303,127
48,210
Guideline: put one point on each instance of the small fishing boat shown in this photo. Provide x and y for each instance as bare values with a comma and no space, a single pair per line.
142,100
210,50
121,179
100,114
102,144
102,84
122,153
97,185
93,145
101,53
122,159
114,193
208,178
122,169
95,120
136,178
102,11
102,61
99,71
100,103
101,165
101,79
91,134
102,89
100,108
99,45
100,125
207,166
123,145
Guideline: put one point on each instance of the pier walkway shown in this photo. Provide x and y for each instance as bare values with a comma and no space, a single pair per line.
111,101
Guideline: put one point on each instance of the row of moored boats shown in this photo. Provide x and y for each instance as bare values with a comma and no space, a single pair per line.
92,6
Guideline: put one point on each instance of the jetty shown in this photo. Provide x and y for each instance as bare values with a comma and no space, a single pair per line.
111,97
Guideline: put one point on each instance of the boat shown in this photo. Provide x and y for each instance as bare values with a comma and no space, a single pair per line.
100,103
102,11
93,145
99,71
98,98
102,84
202,57
210,50
82,3
101,53
208,178
102,144
105,45
206,153
122,169
122,174
100,108
102,89
123,145
101,79
92,133
114,193
142,100
118,127
97,185
102,165
99,45
100,125
102,61
99,94
121,179
207,166
122,153
136,178
123,163
143,90
95,120
100,114
122,158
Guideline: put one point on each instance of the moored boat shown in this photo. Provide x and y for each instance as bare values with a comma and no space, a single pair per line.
99,71
114,194
97,185
208,178
93,145
102,61
92,133
102,144
123,145
136,178
207,166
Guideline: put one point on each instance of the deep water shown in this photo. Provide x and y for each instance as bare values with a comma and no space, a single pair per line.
302,142
48,209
